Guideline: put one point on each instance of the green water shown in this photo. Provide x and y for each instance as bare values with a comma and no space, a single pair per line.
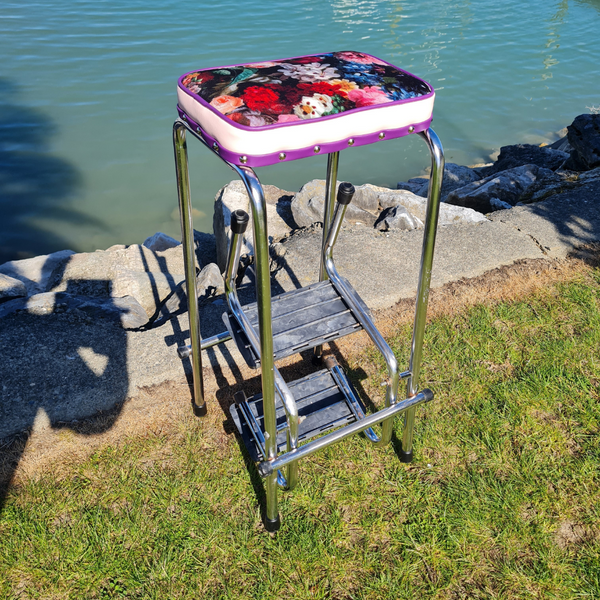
87,97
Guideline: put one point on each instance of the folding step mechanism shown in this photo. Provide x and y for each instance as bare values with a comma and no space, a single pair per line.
290,421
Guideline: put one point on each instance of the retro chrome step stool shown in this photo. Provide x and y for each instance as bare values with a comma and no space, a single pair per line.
258,114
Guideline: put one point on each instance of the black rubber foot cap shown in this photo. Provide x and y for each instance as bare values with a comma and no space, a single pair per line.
199,411
406,457
272,525
316,360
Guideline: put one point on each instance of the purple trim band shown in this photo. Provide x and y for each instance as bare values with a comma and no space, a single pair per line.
285,156
231,123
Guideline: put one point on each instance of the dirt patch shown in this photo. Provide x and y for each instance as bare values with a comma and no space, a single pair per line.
163,409
571,535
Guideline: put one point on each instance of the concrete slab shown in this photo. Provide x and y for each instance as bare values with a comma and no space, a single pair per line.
560,224
384,267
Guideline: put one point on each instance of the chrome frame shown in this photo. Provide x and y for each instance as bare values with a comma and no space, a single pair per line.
272,381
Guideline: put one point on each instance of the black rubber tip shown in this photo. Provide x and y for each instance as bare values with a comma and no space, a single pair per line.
239,221
272,525
345,193
199,411
406,457
316,360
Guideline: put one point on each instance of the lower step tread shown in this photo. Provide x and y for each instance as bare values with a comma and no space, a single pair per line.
321,405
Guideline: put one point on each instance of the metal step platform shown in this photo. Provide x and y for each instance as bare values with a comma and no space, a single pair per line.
302,319
322,402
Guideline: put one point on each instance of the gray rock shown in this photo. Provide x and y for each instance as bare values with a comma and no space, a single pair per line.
91,273
519,155
308,205
126,311
150,289
209,283
584,137
160,242
37,273
562,144
397,217
414,185
233,197
417,206
455,176
11,288
498,191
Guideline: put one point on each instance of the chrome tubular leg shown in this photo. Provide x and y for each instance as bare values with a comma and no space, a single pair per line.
263,301
189,257
368,326
329,205
431,220
328,208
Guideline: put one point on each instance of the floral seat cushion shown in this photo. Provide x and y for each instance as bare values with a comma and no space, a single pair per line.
261,113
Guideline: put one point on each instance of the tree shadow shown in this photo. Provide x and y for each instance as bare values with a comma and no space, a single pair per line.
33,183
64,359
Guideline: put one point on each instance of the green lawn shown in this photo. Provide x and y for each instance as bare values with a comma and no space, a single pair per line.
502,500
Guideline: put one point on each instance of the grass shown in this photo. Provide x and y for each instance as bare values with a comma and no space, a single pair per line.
502,500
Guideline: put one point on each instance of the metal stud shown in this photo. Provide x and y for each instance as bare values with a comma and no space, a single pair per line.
381,135
282,156
198,130
317,149
411,129
243,159
215,147
351,142
184,117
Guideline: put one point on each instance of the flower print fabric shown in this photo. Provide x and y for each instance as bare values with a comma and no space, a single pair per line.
304,88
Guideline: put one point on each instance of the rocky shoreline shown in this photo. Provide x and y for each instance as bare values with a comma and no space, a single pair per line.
138,289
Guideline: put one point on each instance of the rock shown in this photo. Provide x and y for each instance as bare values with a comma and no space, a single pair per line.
308,205
11,288
37,273
455,176
91,273
414,185
233,197
417,206
209,283
584,137
160,242
499,191
519,155
149,289
85,274
397,217
561,144
126,311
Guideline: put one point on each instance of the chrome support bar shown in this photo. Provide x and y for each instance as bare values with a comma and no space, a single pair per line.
431,221
267,468
189,258
219,338
349,394
363,318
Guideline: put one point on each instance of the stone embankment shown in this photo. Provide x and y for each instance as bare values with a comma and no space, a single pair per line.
83,332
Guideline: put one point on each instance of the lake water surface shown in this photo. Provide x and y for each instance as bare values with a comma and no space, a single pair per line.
87,97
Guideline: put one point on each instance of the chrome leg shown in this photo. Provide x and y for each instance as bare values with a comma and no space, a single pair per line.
189,257
431,220
367,324
263,301
329,205
328,209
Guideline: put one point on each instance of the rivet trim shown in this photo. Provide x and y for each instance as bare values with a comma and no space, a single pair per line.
243,159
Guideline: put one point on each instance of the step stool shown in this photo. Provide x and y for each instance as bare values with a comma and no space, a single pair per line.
259,114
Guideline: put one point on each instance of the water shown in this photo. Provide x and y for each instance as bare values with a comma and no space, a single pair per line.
87,97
